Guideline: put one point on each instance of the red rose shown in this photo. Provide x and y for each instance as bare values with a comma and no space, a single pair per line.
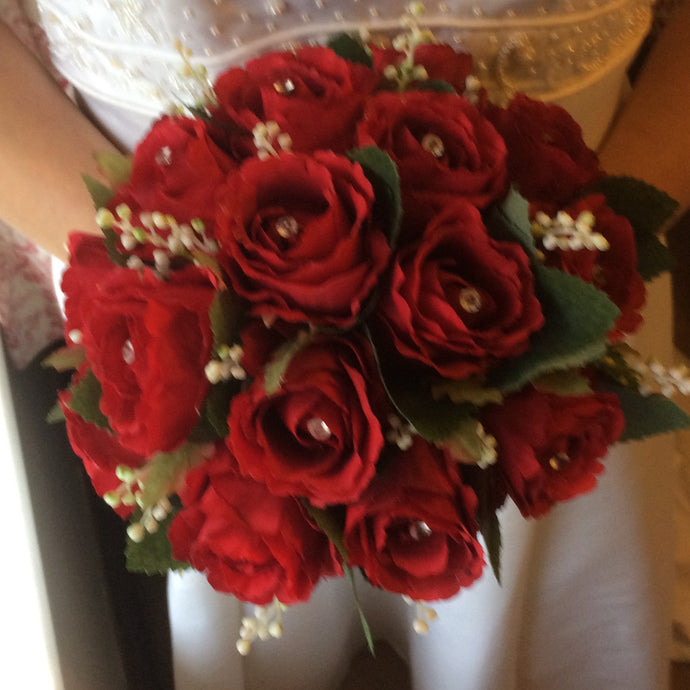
614,270
147,342
413,531
314,95
440,60
444,63
459,300
259,342
176,170
382,57
247,541
317,436
91,263
99,451
298,239
443,147
547,158
549,445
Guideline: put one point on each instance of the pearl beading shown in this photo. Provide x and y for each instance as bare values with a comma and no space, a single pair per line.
121,51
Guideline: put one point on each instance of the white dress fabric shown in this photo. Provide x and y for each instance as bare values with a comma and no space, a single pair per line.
584,602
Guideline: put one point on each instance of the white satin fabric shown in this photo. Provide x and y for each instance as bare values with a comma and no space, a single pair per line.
584,602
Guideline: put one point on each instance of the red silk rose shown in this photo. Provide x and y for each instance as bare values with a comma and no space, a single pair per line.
260,341
297,238
176,170
440,61
549,446
413,531
147,341
246,540
459,300
615,270
314,95
547,158
99,451
89,264
443,147
317,436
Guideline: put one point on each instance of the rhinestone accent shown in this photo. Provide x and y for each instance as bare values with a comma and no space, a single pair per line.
164,156
420,530
128,352
287,227
434,145
470,300
285,87
318,429
559,460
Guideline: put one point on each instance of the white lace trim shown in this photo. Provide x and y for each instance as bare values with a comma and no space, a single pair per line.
121,51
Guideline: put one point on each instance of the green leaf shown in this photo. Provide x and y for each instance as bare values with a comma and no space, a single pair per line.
332,527
86,397
210,263
646,415
224,315
645,206
362,618
153,555
100,194
509,221
483,482
111,239
648,209
213,420
491,531
653,256
280,361
434,420
55,414
349,48
330,524
614,365
436,85
382,172
115,166
65,358
165,470
577,319
471,390
468,444
488,521
566,382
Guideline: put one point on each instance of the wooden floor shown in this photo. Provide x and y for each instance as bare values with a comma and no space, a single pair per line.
388,672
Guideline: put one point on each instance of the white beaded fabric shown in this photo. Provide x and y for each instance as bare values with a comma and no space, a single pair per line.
121,51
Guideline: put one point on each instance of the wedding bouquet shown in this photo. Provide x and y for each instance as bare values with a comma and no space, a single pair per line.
342,310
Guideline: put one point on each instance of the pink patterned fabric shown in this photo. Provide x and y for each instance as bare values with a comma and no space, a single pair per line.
29,313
